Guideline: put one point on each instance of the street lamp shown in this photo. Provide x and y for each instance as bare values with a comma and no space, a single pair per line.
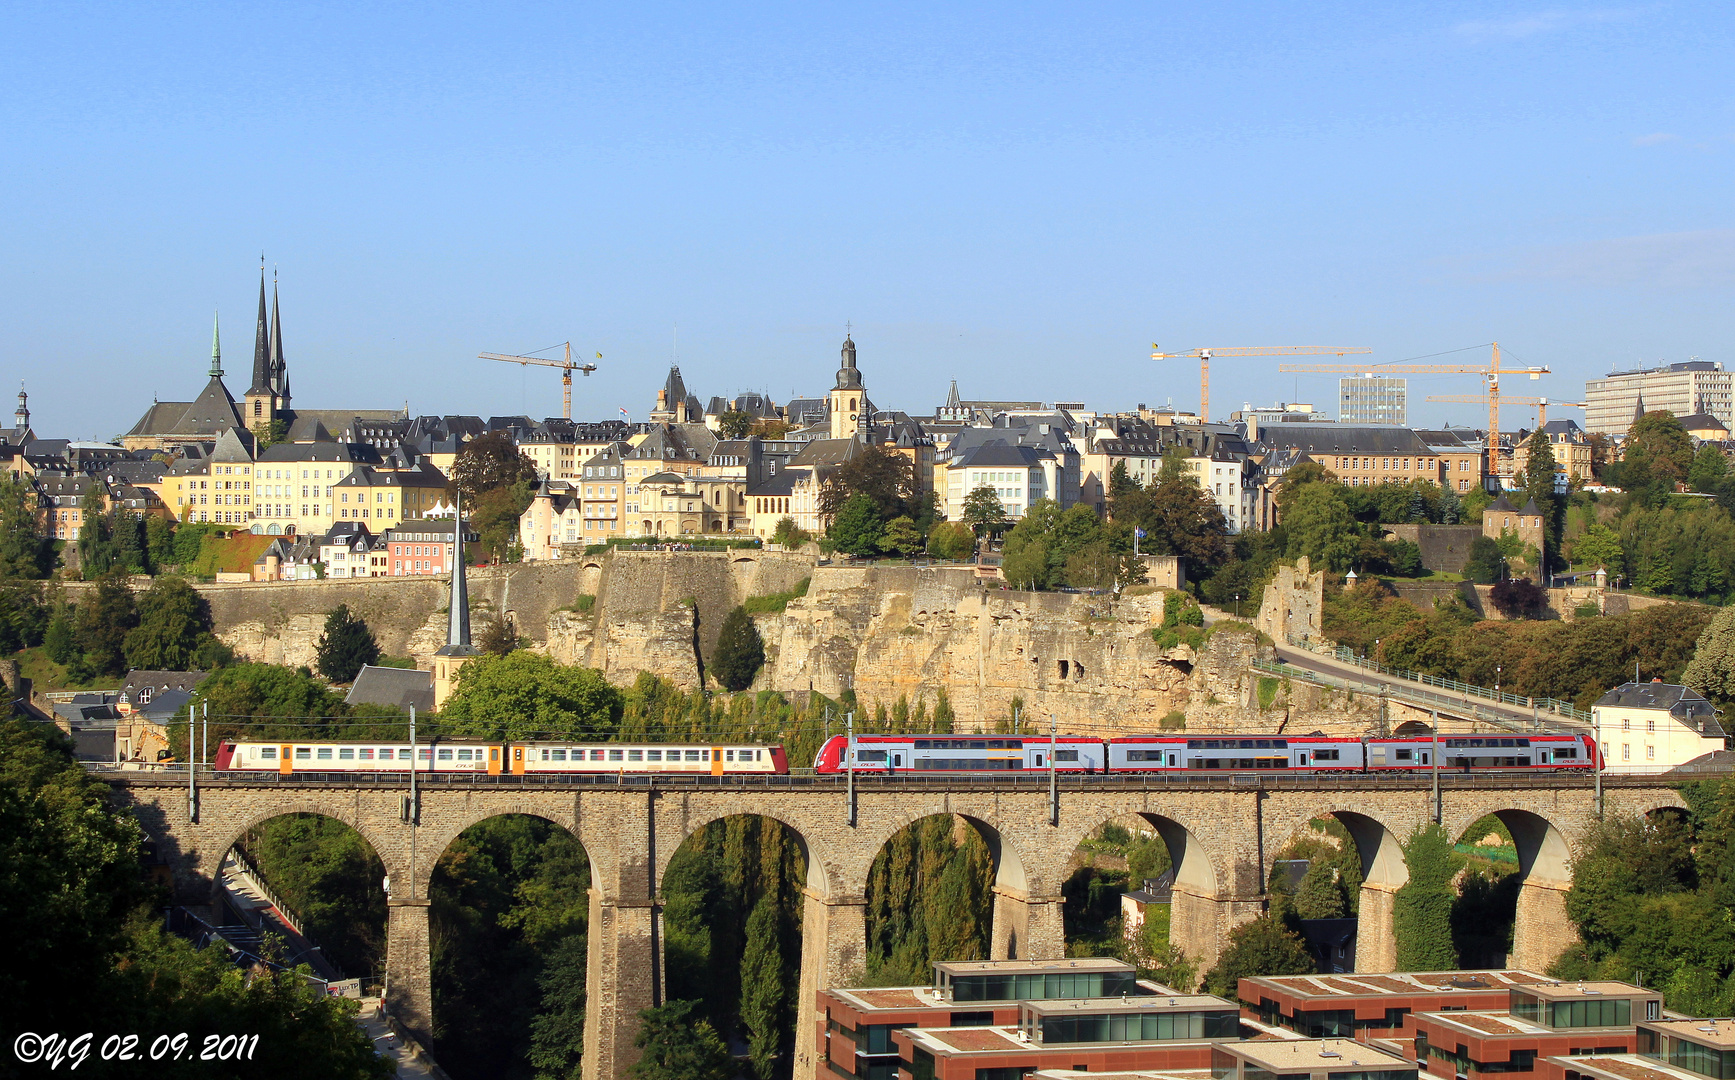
1237,605
1496,678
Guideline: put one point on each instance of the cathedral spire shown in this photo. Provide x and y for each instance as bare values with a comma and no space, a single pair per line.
278,381
261,345
458,613
216,350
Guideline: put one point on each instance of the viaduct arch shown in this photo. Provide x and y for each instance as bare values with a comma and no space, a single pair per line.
1221,834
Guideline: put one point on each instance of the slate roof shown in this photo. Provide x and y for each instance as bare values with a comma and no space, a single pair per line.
1344,438
1701,422
211,412
1502,505
402,688
825,453
997,454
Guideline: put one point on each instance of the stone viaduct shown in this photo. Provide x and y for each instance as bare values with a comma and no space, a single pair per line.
1221,833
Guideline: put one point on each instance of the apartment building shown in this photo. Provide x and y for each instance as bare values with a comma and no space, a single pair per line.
1372,399
1697,386
1364,455
1654,726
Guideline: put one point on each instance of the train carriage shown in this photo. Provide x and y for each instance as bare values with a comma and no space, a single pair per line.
923,755
1465,753
1166,753
285,757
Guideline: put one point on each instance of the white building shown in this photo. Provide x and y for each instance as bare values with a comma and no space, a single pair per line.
1697,386
1019,475
1372,399
1655,726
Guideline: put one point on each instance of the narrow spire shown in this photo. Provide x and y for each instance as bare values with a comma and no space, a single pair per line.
458,613
216,350
261,342
278,382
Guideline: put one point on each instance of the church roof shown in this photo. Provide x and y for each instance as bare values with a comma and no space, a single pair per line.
1502,505
1530,509
261,346
211,412
162,418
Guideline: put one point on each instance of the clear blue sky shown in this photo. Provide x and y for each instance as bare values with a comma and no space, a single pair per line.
1022,197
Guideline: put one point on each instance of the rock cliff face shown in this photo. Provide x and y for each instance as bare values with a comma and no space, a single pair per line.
883,632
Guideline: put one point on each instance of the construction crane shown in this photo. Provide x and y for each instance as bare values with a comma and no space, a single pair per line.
566,366
1204,357
1490,372
1541,403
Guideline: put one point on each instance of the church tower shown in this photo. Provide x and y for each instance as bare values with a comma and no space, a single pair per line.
848,398
268,396
457,651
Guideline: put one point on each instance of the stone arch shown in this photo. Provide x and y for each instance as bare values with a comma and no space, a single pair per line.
1026,919
1380,852
823,868
1197,897
1540,928
435,848
383,847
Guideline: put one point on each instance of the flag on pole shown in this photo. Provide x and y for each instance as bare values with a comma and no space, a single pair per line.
627,415
1138,532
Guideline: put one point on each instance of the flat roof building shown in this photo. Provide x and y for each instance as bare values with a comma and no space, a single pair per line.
1372,1006
1542,1020
1697,386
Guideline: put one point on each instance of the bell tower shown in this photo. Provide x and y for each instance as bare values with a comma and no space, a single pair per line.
848,397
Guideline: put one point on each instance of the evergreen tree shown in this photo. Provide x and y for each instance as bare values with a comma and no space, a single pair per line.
25,551
60,642
764,997
740,652
557,1031
1320,527
104,620
1422,908
1319,896
678,1045
1486,564
174,620
1710,470
943,719
901,537
346,645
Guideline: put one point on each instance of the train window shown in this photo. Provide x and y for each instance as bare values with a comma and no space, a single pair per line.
302,753
924,744
324,753
346,753
978,744
870,755
560,755
463,755
653,755
635,755
692,755
1508,742
1144,755
756,756
1523,742
366,753
1262,744
729,755
1325,755
595,755
547,754
616,755
1066,755
269,753
445,753
1565,752
1403,755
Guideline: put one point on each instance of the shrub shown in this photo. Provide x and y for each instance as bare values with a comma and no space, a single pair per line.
740,652
771,603
1174,720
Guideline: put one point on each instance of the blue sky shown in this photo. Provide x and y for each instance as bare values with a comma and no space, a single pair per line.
1021,197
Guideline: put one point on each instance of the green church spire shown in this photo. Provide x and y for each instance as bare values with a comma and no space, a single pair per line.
216,350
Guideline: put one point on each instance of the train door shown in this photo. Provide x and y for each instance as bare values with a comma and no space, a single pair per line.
493,761
1301,759
1174,759
283,765
518,761
1039,760
716,761
897,760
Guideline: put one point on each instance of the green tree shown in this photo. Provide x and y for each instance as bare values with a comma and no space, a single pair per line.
174,621
557,1031
1026,564
677,1045
1296,480
104,620
952,540
740,652
1262,946
1709,471
788,534
25,550
858,527
489,462
1319,895
983,512
764,998
524,694
734,424
1422,908
1712,669
1599,546
943,718
885,477
1539,467
1320,527
346,646
1658,440
1486,564
901,537
60,642
495,514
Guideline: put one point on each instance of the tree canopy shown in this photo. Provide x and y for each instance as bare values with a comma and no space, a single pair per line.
858,526
488,462
884,477
346,646
174,628
525,695
740,652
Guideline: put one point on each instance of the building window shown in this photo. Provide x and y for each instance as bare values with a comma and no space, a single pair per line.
1626,751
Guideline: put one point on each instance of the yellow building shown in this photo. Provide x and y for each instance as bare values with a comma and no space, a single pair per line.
1655,726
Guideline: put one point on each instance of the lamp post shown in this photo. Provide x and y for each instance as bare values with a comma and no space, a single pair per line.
1496,678
1237,606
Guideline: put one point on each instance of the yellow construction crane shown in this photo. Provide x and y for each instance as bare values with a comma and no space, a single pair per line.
1490,372
566,366
1204,357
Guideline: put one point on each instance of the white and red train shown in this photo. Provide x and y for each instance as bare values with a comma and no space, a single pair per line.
928,755
1002,754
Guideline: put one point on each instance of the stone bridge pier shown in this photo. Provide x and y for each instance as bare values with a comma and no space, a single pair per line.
1221,834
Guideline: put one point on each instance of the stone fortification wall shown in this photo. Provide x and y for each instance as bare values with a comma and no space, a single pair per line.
1293,604
1444,547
